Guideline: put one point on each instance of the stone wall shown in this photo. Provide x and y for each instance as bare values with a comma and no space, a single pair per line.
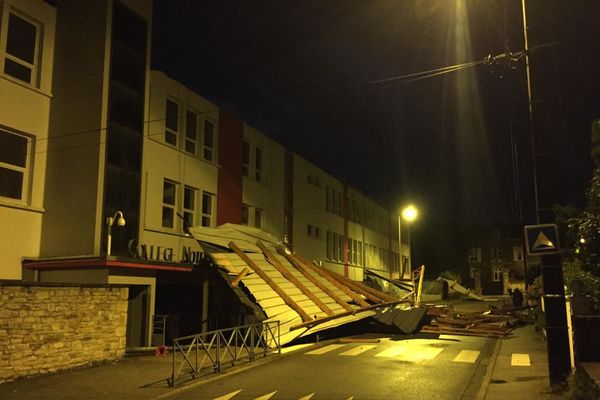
48,327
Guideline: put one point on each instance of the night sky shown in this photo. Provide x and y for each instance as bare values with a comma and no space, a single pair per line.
302,72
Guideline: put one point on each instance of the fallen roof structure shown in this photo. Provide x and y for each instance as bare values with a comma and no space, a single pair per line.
304,297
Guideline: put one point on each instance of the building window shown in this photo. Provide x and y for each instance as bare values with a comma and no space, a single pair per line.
169,203
209,140
189,206
207,208
171,122
245,214
258,217
313,180
191,129
473,273
475,254
496,273
14,164
258,164
22,42
517,253
496,253
246,159
313,231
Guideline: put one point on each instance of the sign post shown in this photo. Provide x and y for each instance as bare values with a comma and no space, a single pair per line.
542,240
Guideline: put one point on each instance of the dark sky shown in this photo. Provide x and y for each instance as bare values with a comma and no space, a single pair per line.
302,72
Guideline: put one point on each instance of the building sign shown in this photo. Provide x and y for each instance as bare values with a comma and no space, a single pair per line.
541,239
166,254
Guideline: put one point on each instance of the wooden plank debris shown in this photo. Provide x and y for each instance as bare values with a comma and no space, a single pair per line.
289,276
287,299
241,276
331,280
305,271
446,320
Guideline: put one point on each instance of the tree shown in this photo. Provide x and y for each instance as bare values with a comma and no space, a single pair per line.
583,265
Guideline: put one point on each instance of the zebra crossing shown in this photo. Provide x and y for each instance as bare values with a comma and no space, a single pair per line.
412,351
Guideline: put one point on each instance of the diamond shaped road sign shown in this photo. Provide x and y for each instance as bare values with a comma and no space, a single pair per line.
541,239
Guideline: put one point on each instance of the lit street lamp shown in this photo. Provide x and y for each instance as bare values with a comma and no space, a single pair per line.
109,223
409,214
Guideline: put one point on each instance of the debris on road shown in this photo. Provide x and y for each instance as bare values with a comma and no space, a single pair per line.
493,323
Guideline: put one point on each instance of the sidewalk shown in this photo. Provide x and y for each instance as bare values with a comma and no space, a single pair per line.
133,378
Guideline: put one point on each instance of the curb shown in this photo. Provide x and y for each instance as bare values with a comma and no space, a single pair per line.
488,373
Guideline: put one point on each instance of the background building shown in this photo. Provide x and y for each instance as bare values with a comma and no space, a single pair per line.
118,161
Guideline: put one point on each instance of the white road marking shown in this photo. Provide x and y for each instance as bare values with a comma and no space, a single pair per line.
228,395
520,360
266,396
308,397
391,352
420,354
467,356
357,350
325,349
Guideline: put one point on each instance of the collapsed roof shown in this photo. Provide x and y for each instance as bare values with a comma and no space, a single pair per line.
289,288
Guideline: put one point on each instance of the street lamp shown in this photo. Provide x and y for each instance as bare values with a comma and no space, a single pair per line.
409,214
109,223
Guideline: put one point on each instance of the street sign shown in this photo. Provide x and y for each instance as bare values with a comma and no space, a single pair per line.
541,239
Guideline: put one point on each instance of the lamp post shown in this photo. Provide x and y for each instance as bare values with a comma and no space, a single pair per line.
109,223
409,214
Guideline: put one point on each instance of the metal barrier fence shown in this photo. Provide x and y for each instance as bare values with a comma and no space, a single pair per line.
222,347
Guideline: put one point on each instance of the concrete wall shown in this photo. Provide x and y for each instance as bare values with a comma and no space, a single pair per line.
78,130
45,328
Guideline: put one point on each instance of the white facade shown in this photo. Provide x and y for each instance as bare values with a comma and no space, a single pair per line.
263,182
180,165
27,29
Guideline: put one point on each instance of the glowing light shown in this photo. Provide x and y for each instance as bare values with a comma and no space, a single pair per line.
410,213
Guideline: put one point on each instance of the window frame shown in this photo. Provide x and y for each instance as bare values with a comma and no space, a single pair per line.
246,158
25,171
188,140
34,67
187,210
207,213
205,147
258,164
169,130
169,206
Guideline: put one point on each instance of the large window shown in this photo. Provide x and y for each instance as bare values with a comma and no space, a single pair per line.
209,140
189,206
245,214
496,273
258,165
207,208
13,165
246,159
496,253
258,217
22,43
191,128
171,122
169,203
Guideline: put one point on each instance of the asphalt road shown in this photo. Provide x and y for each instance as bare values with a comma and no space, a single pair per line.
398,367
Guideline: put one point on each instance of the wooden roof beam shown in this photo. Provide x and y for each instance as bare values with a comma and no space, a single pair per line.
331,280
287,299
290,277
305,271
